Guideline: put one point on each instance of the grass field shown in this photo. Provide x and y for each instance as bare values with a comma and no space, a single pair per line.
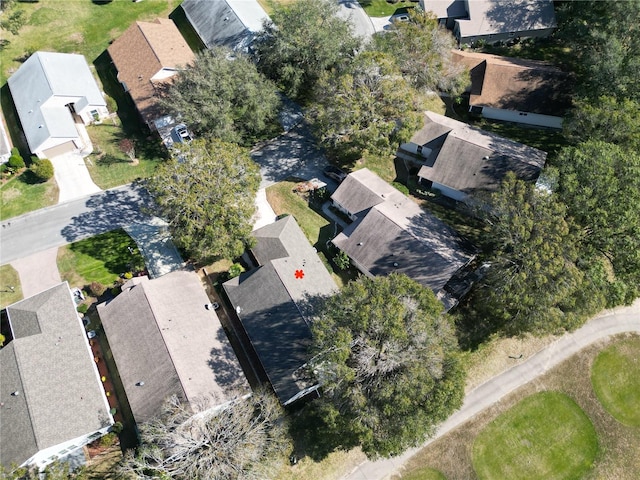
98,259
75,26
424,474
618,457
9,278
546,436
382,8
616,380
109,167
23,194
268,4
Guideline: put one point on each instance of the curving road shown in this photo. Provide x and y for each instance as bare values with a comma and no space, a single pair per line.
610,322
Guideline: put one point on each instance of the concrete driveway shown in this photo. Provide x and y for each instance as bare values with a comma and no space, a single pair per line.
38,272
72,177
353,12
154,242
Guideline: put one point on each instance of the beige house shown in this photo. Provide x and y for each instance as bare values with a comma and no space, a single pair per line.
146,56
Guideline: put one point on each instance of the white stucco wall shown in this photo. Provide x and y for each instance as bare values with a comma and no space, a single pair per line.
522,117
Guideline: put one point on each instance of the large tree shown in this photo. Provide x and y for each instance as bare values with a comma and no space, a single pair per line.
604,37
387,359
303,40
367,106
244,440
423,51
532,282
207,194
222,95
600,183
606,119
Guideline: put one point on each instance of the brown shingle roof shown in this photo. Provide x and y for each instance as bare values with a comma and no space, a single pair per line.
143,51
516,84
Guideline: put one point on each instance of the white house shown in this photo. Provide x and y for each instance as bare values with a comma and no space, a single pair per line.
52,93
52,402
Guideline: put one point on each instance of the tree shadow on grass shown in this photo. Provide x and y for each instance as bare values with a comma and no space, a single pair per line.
116,249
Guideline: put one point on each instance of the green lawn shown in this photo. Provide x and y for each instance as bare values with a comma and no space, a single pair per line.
10,287
616,380
268,4
98,259
382,8
23,194
424,474
546,436
78,26
109,167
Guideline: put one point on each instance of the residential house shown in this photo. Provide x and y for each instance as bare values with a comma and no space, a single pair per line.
273,302
165,342
228,23
515,90
461,161
494,20
391,233
146,56
51,398
55,93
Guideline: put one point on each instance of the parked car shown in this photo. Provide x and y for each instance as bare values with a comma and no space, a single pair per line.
334,173
182,133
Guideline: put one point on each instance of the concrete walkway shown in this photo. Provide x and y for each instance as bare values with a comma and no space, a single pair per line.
264,213
610,322
154,242
38,272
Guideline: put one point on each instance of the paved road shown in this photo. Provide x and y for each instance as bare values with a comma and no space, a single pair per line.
353,12
612,322
68,222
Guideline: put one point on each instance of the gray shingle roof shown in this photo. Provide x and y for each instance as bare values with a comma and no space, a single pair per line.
51,366
487,17
45,75
399,236
160,333
471,160
273,301
229,23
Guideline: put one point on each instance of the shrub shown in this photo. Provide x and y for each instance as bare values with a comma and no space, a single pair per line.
82,308
128,275
108,440
16,160
342,260
235,270
117,427
112,105
42,169
97,289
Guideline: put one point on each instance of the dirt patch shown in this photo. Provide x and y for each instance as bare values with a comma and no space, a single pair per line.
76,37
10,194
500,354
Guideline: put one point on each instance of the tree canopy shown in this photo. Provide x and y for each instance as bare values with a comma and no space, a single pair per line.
533,281
223,95
244,440
607,119
600,183
387,360
604,37
206,194
423,52
367,106
303,40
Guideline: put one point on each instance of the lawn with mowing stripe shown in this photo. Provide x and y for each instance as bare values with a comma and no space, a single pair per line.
98,259
615,376
546,436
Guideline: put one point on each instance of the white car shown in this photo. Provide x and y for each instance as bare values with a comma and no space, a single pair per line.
182,133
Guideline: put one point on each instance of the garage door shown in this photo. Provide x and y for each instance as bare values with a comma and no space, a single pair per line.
60,149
